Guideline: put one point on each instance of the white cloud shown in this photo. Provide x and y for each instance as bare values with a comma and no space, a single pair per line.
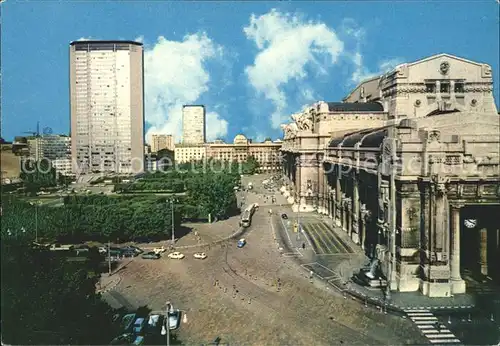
139,39
361,72
287,46
175,74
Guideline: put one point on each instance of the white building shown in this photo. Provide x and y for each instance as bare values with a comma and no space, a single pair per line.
62,166
186,153
107,106
193,124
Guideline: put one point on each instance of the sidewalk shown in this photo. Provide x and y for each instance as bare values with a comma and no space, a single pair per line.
342,267
399,300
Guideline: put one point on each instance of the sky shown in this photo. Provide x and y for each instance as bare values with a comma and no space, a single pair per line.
251,63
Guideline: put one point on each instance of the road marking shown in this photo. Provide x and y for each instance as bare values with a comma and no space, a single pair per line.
311,233
426,322
324,237
292,254
427,331
415,310
286,231
440,336
447,341
417,319
331,271
425,326
420,314
338,239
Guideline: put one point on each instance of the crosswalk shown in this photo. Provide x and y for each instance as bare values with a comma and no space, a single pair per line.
428,324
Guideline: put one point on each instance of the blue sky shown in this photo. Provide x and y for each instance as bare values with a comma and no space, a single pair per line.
251,63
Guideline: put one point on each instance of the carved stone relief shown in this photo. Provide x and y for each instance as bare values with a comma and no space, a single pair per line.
433,136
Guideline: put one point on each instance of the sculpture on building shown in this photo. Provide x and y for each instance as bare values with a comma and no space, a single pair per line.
290,130
303,120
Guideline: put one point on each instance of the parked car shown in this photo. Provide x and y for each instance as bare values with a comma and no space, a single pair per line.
175,255
150,255
241,242
127,322
159,250
128,253
284,216
124,339
132,248
174,319
200,255
139,325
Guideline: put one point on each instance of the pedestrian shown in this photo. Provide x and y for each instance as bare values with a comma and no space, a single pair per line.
303,246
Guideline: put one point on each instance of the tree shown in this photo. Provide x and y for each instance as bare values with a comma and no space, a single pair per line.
37,175
48,300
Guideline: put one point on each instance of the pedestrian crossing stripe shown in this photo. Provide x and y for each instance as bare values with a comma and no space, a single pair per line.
416,314
447,341
439,336
425,326
423,318
431,331
416,310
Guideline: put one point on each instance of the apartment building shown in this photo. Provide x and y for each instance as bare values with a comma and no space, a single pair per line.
159,142
107,106
267,153
193,124
184,153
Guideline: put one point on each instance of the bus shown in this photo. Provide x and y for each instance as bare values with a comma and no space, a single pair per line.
246,217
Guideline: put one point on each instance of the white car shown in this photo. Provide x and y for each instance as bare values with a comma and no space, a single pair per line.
159,250
200,255
175,255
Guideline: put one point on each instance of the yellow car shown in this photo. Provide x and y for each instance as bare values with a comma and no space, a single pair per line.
176,255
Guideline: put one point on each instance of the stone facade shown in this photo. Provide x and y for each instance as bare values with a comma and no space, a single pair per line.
266,153
399,165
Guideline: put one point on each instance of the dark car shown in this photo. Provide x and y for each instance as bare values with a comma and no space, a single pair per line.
124,339
131,251
150,255
284,216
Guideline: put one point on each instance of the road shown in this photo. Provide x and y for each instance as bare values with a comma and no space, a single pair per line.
257,296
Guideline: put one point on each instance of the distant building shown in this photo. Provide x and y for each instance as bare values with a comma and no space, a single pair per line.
10,164
190,152
107,106
267,153
161,160
193,124
55,147
159,142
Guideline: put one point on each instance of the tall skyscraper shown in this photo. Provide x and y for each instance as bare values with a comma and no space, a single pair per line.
159,142
193,124
107,106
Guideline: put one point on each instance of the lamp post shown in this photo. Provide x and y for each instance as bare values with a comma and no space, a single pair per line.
165,329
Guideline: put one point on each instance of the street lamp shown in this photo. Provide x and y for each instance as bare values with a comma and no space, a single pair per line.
165,328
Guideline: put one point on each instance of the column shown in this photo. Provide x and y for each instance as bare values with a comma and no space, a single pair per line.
362,237
483,250
355,209
338,199
298,183
321,187
457,284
